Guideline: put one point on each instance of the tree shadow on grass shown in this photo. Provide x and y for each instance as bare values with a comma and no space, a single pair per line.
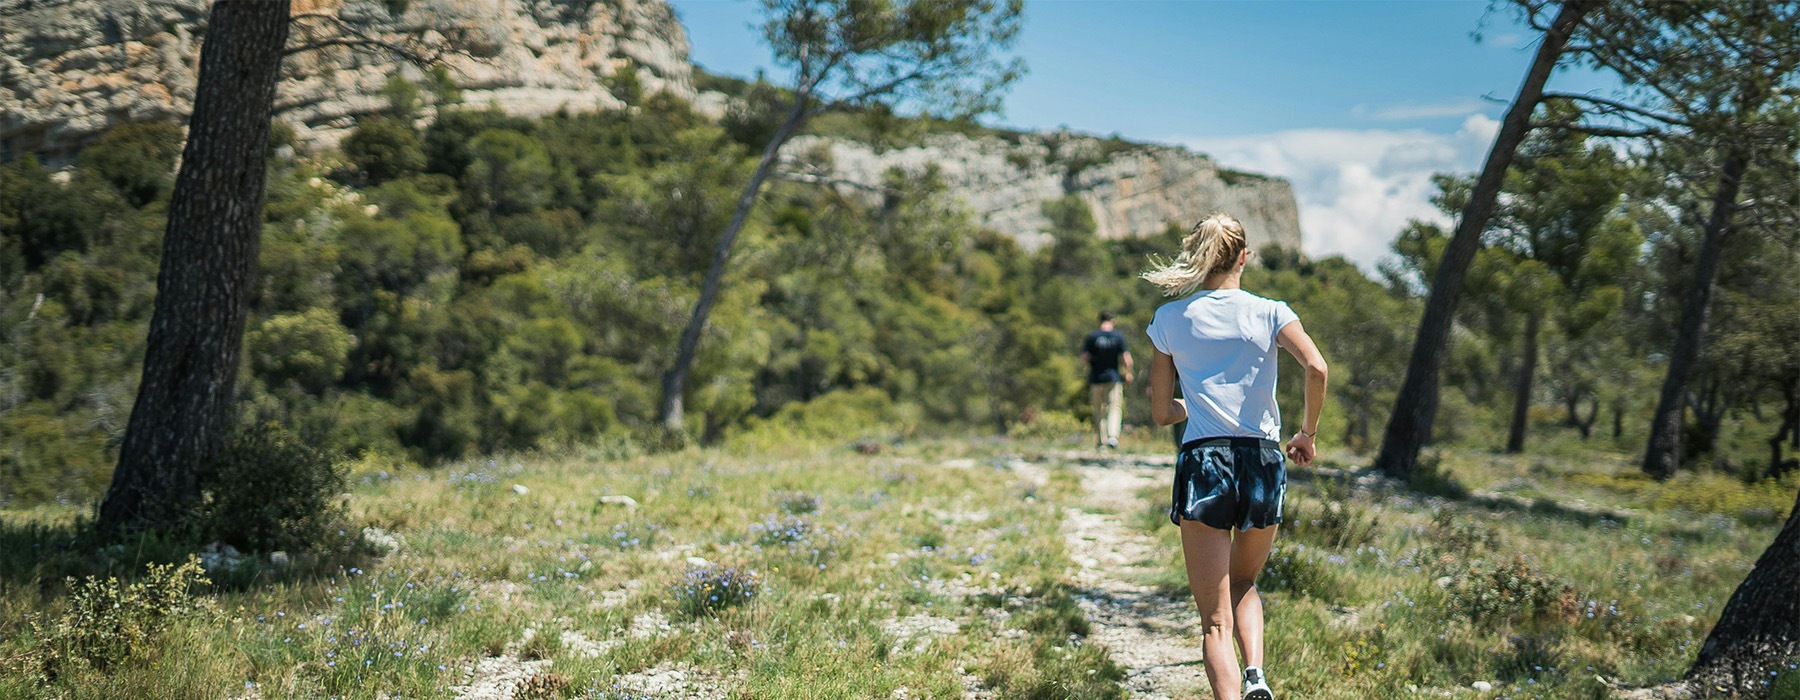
48,556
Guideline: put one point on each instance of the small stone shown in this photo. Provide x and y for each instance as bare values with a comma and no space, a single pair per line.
520,489
1481,686
698,561
626,502
1444,582
278,560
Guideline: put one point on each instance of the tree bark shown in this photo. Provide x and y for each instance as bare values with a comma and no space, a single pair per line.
1515,439
1759,629
1409,426
1790,418
1664,454
674,382
184,406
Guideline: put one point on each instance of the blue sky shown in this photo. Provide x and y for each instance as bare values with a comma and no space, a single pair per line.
1356,102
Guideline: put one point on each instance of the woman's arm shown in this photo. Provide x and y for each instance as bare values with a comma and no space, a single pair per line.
1165,409
1294,339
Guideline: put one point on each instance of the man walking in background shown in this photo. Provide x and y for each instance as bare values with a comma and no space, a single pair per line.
1104,352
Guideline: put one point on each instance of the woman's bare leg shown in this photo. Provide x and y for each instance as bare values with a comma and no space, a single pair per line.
1208,553
1249,551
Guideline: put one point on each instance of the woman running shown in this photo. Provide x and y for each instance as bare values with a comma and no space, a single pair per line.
1220,341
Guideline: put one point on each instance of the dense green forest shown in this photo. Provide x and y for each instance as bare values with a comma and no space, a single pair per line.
493,283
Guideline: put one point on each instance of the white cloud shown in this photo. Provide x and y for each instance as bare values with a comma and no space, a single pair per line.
1506,40
1408,111
1356,187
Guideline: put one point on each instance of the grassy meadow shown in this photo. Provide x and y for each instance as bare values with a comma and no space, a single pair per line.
930,568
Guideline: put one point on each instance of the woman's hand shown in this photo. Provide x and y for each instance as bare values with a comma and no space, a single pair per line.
1301,450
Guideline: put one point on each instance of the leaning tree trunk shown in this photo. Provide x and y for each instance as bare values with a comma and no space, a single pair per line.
1790,421
183,410
1515,439
1409,426
1663,456
1759,629
674,382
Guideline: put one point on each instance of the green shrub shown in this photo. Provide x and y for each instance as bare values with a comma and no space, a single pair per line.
1049,426
1339,522
1514,592
709,589
1296,568
108,622
384,148
1458,538
837,416
545,644
270,490
136,159
1364,654
797,502
306,349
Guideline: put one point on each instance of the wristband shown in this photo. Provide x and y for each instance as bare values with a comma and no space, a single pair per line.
1312,434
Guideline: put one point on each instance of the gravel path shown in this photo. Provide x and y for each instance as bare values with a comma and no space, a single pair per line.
1152,636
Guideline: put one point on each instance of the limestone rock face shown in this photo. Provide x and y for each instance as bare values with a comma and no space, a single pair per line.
70,69
1133,190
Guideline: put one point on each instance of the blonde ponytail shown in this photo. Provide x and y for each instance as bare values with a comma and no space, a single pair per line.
1213,246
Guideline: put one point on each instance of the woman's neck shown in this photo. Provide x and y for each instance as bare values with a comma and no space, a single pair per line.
1224,280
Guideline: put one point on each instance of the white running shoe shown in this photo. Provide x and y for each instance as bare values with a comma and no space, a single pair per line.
1255,686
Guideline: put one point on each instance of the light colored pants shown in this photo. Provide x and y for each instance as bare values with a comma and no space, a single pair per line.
1109,404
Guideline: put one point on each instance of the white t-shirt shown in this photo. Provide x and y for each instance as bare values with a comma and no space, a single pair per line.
1223,342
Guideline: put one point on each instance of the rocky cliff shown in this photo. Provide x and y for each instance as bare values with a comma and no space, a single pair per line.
1133,189
70,69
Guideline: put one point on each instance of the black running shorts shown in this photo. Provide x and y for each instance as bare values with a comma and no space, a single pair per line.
1229,482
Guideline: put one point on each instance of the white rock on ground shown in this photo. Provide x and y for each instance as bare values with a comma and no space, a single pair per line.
496,677
579,644
915,632
650,624
676,682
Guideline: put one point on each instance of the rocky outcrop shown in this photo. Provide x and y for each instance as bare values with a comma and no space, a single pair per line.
70,69
1133,190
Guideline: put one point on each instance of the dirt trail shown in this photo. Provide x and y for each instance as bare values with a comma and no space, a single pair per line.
1153,637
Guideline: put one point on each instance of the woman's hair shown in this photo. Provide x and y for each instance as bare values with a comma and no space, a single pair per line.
1213,246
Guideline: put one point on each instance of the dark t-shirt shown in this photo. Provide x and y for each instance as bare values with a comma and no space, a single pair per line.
1104,348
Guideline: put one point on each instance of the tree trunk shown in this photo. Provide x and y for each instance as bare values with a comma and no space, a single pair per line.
1790,417
674,382
1515,440
1759,629
1663,455
184,403
1409,426
1586,426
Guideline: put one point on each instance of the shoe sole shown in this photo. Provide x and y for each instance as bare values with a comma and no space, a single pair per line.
1259,694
